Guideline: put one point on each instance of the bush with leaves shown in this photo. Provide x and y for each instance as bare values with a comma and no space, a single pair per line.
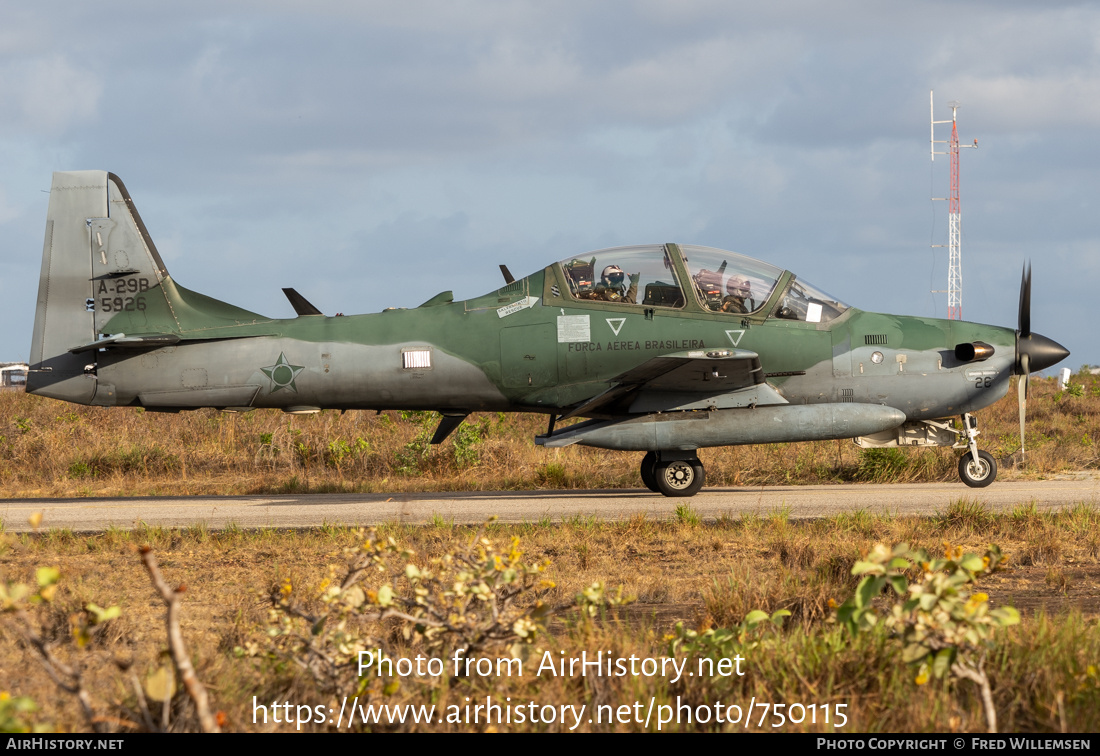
721,642
14,713
478,598
18,602
942,625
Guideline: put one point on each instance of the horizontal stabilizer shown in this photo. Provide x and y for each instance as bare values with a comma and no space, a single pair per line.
301,305
122,341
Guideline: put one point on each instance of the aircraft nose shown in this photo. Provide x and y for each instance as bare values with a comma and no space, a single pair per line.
1041,352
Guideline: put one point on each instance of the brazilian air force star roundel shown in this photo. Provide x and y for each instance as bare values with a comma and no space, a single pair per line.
282,374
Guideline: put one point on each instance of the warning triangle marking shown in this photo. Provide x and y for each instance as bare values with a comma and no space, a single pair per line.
616,324
735,341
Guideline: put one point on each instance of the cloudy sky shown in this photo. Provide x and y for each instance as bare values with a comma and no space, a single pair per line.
372,154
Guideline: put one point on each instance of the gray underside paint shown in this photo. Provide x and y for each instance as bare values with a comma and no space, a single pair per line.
760,425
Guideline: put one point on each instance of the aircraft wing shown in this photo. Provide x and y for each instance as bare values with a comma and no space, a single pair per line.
699,379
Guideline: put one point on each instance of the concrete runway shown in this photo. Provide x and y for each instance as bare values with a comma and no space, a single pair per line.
309,510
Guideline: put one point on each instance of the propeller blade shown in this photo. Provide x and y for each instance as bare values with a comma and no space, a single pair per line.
1040,351
1025,302
1021,388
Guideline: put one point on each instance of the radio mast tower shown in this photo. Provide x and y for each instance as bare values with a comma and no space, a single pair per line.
954,215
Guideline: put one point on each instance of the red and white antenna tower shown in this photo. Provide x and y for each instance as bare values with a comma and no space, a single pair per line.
954,215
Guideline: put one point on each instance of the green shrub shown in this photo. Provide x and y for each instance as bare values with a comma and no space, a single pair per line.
941,625
881,465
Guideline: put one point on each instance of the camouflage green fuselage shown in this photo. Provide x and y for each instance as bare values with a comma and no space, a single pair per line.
666,348
673,335
528,347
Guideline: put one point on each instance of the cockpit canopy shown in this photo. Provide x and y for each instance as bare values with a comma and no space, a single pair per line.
728,282
630,275
720,281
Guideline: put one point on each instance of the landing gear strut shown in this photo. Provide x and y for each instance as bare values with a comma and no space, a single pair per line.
673,473
976,468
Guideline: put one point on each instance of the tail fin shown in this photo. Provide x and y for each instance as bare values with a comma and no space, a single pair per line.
95,243
103,277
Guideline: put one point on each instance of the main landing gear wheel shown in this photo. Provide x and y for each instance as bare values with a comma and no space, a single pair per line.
649,476
679,477
977,474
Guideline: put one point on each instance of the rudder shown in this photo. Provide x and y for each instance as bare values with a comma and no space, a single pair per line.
97,261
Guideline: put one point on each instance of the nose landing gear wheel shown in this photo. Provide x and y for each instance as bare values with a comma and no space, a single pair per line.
679,477
977,474
649,477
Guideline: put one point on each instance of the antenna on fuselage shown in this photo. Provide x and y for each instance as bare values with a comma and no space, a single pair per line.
954,215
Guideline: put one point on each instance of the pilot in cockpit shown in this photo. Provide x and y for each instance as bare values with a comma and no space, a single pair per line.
738,297
612,286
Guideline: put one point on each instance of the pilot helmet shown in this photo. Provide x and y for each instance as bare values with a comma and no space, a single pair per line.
613,276
738,286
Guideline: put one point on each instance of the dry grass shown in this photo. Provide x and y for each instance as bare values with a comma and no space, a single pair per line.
49,448
705,574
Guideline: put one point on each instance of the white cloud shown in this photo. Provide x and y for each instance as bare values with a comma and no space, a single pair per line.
796,129
7,211
1021,103
47,96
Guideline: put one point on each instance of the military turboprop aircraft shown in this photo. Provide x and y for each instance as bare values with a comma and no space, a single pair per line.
665,348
